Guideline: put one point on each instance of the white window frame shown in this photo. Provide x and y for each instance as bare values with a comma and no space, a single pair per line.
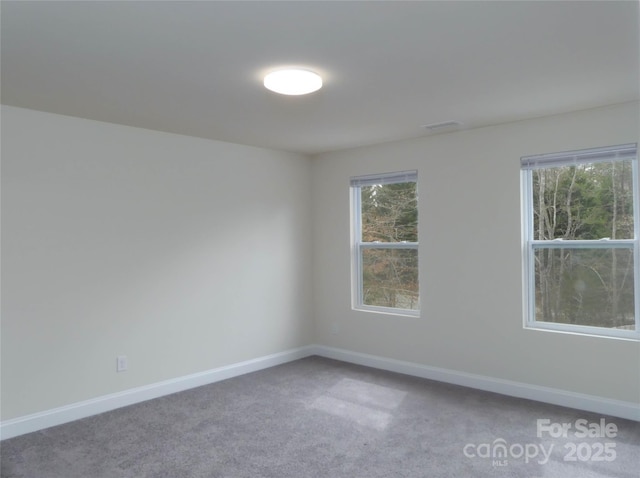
358,246
530,245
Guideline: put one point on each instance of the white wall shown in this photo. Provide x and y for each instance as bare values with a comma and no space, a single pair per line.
187,254
470,258
184,254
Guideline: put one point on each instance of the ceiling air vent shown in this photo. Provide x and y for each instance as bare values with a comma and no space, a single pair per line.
436,127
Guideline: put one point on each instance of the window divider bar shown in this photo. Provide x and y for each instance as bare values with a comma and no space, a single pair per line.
388,245
584,244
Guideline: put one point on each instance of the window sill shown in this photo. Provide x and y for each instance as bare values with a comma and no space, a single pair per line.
388,311
585,331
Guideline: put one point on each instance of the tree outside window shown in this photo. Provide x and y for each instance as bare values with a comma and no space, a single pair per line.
581,244
386,242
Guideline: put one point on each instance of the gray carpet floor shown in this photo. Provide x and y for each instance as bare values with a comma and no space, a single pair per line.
322,418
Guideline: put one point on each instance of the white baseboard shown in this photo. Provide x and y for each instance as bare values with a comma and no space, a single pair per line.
590,403
105,403
75,411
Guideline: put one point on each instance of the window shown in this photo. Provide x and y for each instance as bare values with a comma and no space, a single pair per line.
385,243
580,241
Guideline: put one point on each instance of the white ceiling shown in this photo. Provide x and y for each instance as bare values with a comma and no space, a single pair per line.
196,68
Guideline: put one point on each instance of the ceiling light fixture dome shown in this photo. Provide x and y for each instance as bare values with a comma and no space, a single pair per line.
293,82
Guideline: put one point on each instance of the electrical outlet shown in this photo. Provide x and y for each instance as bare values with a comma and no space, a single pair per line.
122,363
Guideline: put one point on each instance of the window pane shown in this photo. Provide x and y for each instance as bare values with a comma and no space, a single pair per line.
585,287
389,213
588,201
390,278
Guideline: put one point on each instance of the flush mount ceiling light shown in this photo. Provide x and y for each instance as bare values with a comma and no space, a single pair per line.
293,82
